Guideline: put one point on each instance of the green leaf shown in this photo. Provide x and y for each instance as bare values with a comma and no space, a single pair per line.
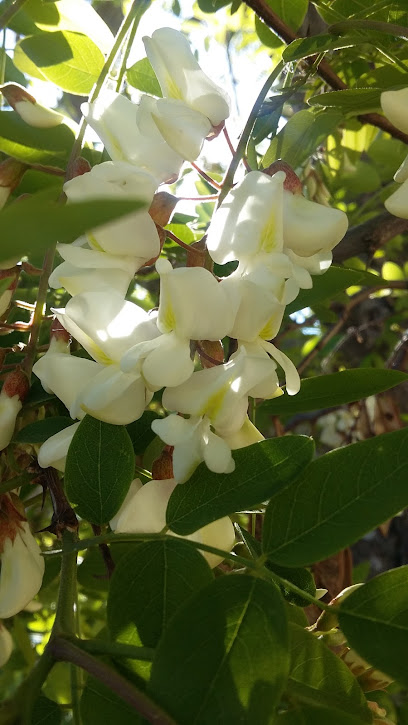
34,224
100,706
45,712
305,47
41,430
211,6
266,35
312,715
351,100
326,391
329,284
261,470
11,74
140,432
76,15
149,585
99,469
319,677
232,655
374,618
142,76
301,136
50,146
292,13
70,60
340,497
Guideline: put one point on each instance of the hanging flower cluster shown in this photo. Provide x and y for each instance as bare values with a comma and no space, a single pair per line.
278,238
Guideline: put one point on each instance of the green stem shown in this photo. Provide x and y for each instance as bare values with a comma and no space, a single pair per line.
136,20
31,349
242,144
115,649
10,12
135,13
28,693
256,566
64,650
65,615
13,483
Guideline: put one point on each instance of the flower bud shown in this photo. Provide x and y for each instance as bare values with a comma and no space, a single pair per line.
162,467
162,207
27,107
6,645
11,173
22,565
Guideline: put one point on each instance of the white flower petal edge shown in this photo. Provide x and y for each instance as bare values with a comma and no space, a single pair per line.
22,570
6,645
395,107
54,451
144,511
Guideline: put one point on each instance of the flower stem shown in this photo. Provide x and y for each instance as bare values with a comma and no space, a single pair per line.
242,144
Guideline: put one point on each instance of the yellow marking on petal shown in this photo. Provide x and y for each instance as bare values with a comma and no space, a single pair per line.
92,240
268,234
269,330
168,317
172,89
99,355
214,403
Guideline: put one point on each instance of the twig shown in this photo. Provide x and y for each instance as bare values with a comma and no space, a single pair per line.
205,176
64,650
183,244
105,552
369,236
10,12
339,324
325,71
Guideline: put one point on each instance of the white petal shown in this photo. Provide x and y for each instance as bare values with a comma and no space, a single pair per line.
146,511
22,570
83,256
65,375
401,174
246,436
221,535
181,77
54,451
187,455
9,409
217,454
183,128
37,115
133,489
6,645
77,280
113,397
169,363
309,227
397,203
134,235
174,429
249,220
292,375
395,106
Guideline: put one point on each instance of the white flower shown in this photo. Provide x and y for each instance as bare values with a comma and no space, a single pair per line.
217,401
22,566
66,376
9,409
397,203
134,235
6,645
263,349
54,451
183,128
193,306
181,77
395,107
260,216
129,133
144,511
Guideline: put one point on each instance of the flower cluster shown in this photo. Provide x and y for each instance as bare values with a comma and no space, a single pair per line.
277,237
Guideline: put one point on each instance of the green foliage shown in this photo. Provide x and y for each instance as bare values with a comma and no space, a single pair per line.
317,677
46,712
34,224
70,60
326,391
261,470
374,619
35,145
234,664
99,469
142,76
326,286
41,430
340,497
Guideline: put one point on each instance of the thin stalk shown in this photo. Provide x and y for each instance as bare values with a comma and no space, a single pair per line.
28,692
65,615
115,649
242,144
256,565
64,650
129,43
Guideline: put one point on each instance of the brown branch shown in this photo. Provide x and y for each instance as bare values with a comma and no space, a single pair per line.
324,70
369,236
